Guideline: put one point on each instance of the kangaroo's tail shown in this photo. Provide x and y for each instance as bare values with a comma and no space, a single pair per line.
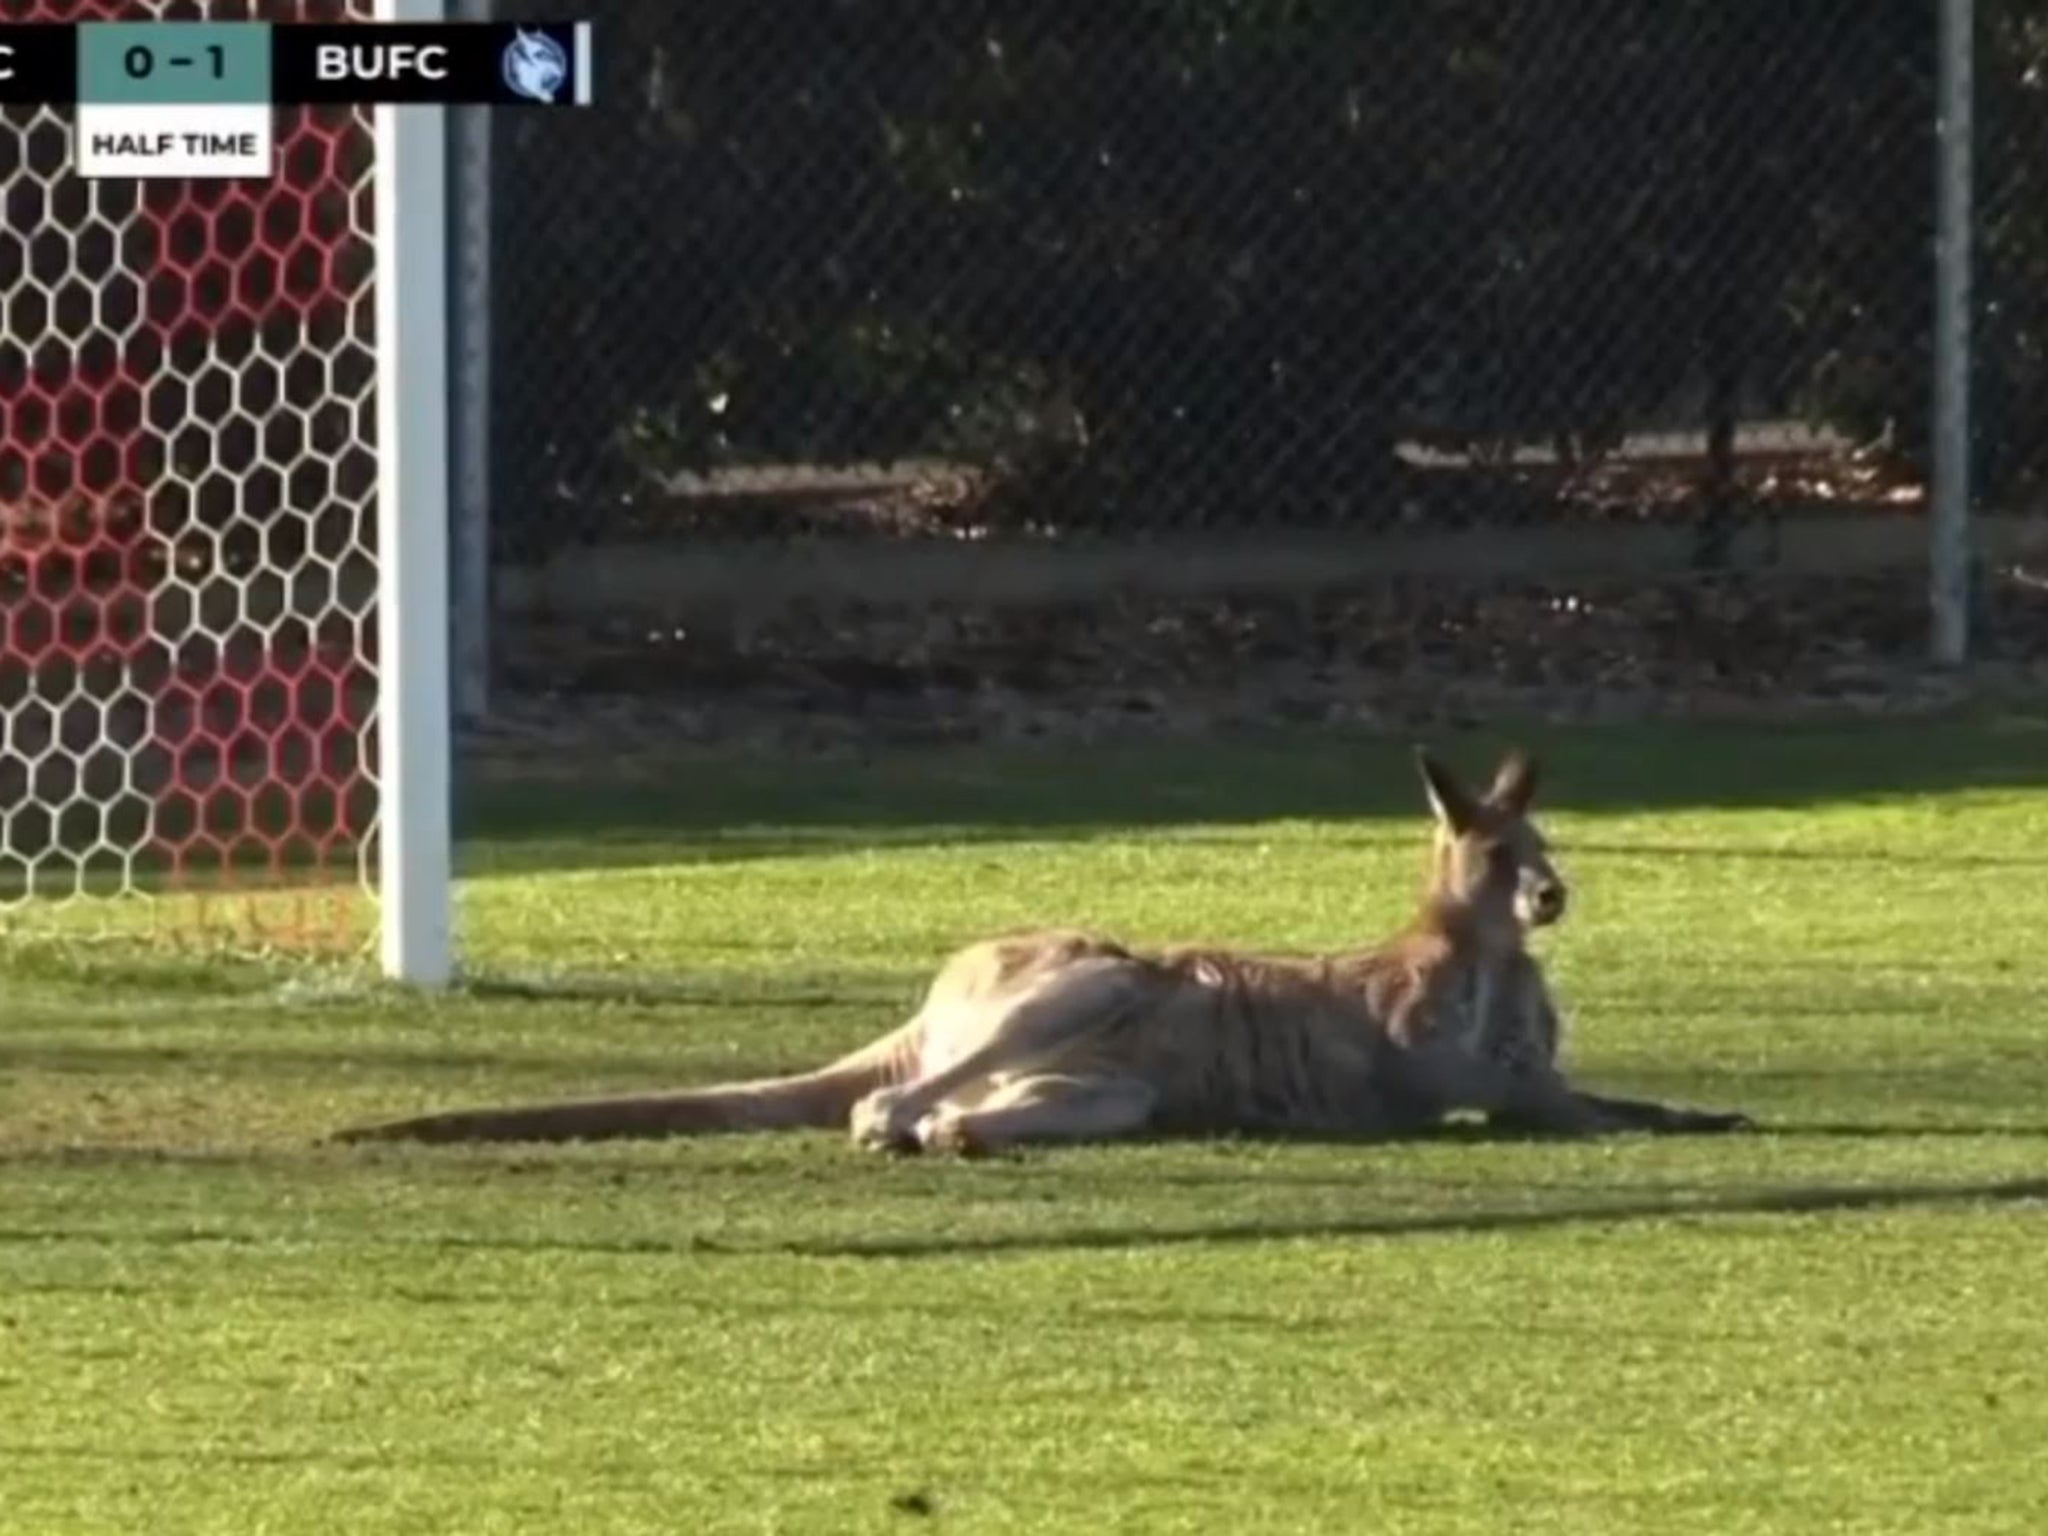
820,1098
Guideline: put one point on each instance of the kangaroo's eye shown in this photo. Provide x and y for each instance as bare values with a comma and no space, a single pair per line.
1500,859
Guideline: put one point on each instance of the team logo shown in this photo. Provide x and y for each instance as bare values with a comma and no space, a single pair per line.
535,65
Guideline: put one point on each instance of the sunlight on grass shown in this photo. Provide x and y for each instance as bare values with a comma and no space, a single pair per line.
210,1322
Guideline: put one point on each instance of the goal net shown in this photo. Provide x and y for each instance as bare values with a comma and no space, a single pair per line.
189,580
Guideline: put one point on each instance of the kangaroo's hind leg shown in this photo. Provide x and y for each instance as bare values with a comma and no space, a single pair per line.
1025,1034
1048,1107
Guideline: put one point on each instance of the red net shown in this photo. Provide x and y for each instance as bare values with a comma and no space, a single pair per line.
187,570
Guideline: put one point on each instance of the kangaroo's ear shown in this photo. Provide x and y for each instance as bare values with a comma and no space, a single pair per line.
1450,800
1514,783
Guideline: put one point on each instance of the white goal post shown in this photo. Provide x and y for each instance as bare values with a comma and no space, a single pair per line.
415,748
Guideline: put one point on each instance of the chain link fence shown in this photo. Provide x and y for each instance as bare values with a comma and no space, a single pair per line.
861,370
954,367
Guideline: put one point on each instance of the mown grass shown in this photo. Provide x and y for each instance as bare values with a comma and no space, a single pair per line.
208,1322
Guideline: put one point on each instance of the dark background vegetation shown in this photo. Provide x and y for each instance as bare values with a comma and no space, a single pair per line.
1194,263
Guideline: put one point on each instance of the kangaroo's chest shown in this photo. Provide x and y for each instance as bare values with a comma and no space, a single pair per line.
1485,1014
1468,1013
1475,1013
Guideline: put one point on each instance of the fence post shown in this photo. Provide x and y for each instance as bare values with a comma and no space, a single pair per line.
1949,561
470,229
414,734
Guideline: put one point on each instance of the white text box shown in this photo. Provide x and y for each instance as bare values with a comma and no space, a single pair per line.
156,141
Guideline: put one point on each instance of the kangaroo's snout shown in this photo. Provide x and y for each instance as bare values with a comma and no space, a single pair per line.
1543,902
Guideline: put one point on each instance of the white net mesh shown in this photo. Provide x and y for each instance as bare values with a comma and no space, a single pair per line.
187,561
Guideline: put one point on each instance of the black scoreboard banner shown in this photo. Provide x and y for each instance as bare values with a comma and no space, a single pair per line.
119,63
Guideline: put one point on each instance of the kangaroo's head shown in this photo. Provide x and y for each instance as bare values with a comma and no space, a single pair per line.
1489,859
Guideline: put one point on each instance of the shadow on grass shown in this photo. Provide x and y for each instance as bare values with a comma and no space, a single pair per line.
566,1072
1793,1200
1801,1200
632,1158
1960,858
714,808
219,1455
643,992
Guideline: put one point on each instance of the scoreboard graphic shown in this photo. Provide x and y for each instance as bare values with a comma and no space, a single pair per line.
207,382
198,99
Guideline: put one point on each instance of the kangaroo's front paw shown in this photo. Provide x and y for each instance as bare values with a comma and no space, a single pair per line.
949,1130
878,1123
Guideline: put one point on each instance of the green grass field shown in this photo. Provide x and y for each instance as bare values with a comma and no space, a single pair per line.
209,1323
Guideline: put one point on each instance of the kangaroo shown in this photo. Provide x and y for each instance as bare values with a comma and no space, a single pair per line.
1066,1036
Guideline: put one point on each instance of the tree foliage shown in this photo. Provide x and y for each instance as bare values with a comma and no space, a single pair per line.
1172,261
